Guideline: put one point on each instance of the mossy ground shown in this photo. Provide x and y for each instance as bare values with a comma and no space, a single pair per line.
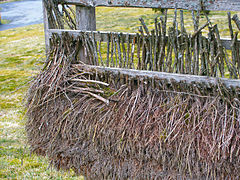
21,56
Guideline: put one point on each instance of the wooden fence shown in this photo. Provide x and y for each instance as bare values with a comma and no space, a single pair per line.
86,25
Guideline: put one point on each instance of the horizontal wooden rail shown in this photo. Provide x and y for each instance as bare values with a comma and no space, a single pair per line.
212,5
189,79
103,36
99,35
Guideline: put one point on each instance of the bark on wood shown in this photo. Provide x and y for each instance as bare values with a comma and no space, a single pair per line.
236,20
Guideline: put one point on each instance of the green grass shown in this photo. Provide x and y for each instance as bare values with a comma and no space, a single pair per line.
21,56
6,1
4,21
22,53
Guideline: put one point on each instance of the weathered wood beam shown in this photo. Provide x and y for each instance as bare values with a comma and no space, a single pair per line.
103,36
86,21
99,35
46,28
180,78
216,5
86,18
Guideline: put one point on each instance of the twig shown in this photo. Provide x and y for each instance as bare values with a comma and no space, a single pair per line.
90,81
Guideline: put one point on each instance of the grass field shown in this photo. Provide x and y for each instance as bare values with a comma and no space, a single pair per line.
22,53
6,1
21,56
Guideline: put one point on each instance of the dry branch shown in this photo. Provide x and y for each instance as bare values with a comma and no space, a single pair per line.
90,81
119,123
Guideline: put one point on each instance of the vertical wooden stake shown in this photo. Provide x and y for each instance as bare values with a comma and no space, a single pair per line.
46,28
86,21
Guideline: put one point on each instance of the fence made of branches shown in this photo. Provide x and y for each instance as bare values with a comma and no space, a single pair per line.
157,104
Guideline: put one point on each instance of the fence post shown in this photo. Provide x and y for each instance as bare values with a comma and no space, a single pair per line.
46,28
86,21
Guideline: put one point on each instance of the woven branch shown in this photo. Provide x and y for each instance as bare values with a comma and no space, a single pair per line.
107,125
134,128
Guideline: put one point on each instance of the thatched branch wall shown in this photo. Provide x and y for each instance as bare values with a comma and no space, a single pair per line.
108,125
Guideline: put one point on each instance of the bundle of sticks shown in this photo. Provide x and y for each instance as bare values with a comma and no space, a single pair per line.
105,124
138,109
